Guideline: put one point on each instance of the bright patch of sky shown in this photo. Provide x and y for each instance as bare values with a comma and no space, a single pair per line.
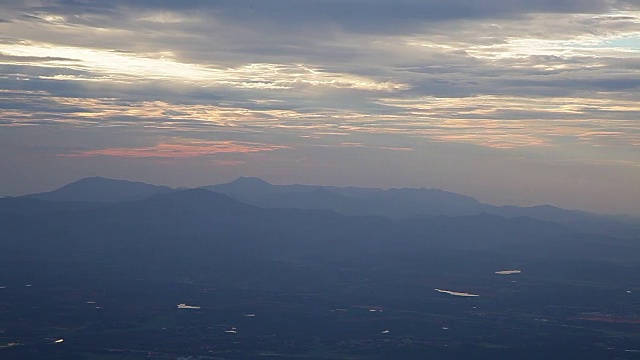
630,42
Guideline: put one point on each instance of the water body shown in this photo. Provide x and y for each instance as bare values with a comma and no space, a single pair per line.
509,272
455,293
185,306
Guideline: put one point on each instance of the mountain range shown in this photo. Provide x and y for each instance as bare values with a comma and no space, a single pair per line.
305,215
392,203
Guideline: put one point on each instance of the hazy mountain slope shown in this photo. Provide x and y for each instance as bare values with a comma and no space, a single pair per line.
407,202
393,203
102,189
575,219
203,214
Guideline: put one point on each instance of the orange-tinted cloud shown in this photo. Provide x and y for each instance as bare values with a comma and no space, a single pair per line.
181,150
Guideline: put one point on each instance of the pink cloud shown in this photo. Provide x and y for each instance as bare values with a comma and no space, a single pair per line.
181,150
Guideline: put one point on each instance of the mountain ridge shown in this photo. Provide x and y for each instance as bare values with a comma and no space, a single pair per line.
203,214
395,203
401,203
101,189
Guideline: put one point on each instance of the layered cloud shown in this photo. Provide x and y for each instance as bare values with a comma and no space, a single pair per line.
557,81
184,148
105,65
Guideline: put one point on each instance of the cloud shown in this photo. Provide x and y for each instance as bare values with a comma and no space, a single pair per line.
556,81
354,145
115,66
499,122
181,149
356,15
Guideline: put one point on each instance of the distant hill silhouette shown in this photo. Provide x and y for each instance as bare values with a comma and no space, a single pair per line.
393,203
408,202
102,189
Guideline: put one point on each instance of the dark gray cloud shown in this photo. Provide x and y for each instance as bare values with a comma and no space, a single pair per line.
368,16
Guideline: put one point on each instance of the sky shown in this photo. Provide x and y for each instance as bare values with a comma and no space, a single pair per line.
511,102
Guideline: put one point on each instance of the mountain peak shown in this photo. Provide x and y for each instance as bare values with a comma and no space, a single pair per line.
98,180
98,188
250,181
